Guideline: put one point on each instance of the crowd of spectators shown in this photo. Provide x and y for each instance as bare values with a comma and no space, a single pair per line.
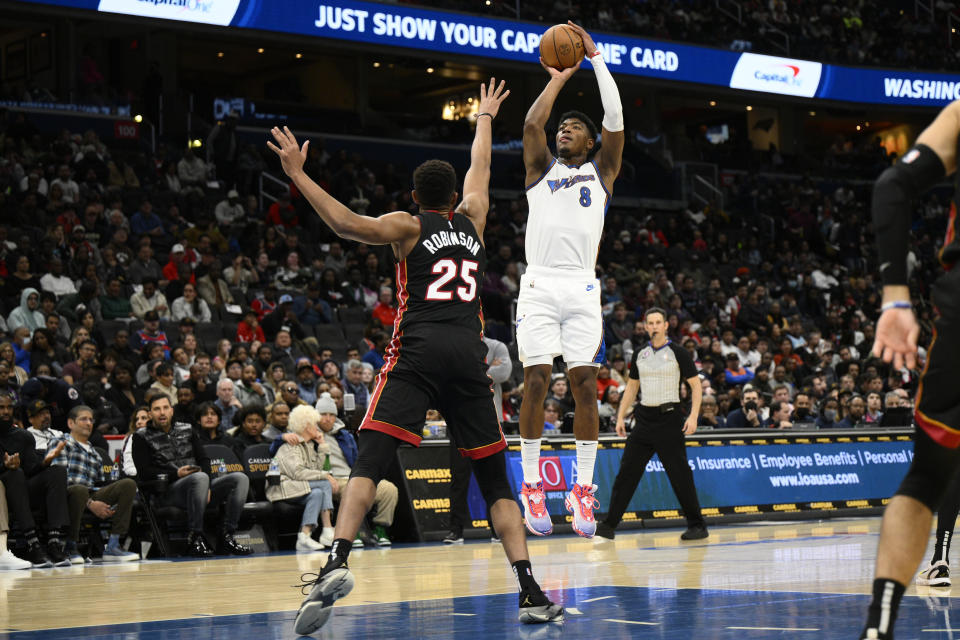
120,284
854,32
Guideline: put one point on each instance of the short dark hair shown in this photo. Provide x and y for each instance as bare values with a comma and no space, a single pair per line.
208,406
163,369
249,410
158,395
653,310
149,280
77,410
435,182
582,117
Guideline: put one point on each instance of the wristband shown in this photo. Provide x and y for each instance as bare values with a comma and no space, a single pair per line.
485,114
898,304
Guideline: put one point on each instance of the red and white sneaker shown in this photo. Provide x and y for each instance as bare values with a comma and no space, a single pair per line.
581,503
535,514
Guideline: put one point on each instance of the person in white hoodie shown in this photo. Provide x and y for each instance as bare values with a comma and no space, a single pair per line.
303,480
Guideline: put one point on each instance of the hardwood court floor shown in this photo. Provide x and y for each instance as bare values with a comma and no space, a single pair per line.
804,579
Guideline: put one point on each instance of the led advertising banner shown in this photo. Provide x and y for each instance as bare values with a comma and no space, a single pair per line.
733,477
393,25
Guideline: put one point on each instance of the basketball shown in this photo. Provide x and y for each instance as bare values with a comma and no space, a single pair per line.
561,47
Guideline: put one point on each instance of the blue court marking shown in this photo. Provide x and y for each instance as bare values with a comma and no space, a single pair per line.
632,612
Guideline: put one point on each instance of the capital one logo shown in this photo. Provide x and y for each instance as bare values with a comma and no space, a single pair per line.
551,473
755,72
787,76
218,12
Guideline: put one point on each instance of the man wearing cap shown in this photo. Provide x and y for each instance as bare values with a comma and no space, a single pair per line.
266,302
86,489
38,416
306,381
59,396
229,211
149,298
283,317
151,333
735,373
310,308
171,270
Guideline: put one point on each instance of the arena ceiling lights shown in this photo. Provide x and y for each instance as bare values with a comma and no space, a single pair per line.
437,31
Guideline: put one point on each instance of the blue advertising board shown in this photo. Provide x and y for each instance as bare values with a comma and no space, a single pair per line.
441,32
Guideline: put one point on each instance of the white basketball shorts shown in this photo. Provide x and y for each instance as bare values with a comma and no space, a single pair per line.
559,314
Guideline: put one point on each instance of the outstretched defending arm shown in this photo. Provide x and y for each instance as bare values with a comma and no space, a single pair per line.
392,228
536,153
476,182
611,135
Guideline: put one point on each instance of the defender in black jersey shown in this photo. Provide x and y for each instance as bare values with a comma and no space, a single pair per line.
906,521
436,358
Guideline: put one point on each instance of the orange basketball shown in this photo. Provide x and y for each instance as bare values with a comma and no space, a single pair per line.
561,47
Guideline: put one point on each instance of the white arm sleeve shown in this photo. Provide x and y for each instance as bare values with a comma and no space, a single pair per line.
609,95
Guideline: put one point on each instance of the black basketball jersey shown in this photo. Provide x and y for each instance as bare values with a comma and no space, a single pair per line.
950,252
440,280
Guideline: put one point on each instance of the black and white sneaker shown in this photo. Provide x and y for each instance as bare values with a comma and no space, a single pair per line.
536,608
936,575
453,537
326,589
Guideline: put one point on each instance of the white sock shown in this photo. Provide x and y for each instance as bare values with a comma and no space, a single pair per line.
586,457
530,460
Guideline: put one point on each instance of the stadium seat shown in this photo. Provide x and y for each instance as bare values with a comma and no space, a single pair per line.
208,334
257,510
354,315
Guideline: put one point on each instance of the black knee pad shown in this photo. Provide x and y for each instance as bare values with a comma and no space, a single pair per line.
491,475
931,471
376,452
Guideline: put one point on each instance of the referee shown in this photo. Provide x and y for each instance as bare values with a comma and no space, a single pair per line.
657,370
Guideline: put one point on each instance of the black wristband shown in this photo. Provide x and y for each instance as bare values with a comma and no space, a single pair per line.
485,114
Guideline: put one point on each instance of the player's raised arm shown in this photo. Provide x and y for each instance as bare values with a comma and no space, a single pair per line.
476,182
610,155
536,153
391,228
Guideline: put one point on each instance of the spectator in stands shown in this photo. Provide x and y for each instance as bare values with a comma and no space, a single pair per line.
19,280
385,312
87,488
86,298
145,222
855,412
248,390
69,187
560,392
30,481
38,417
330,289
189,305
278,419
306,478
164,382
186,408
251,421
240,274
357,293
290,394
151,333
829,412
306,381
311,308
353,383
173,450
145,267
228,403
55,282
249,329
802,412
229,211
208,418
45,350
272,375
138,420
17,355
178,264
552,416
284,350
107,417
192,171
874,408
213,288
618,326
115,305
709,414
27,314
779,416
86,356
149,298
735,374
376,355
748,415
282,213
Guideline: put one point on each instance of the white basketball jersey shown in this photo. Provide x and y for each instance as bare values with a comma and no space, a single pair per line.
567,206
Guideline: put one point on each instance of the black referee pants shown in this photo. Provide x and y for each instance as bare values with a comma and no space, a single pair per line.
661,434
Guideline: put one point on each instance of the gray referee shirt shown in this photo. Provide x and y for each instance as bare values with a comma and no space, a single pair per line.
660,372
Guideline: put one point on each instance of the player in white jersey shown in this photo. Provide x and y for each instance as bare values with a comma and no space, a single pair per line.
558,313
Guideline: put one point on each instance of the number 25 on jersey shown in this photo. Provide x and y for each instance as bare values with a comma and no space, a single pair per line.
447,269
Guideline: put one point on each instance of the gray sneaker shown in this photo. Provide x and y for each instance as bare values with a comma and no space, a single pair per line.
119,555
536,608
316,609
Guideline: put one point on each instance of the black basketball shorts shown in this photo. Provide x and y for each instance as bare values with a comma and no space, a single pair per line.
938,395
442,367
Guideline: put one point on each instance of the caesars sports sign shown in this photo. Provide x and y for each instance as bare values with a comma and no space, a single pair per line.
776,75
